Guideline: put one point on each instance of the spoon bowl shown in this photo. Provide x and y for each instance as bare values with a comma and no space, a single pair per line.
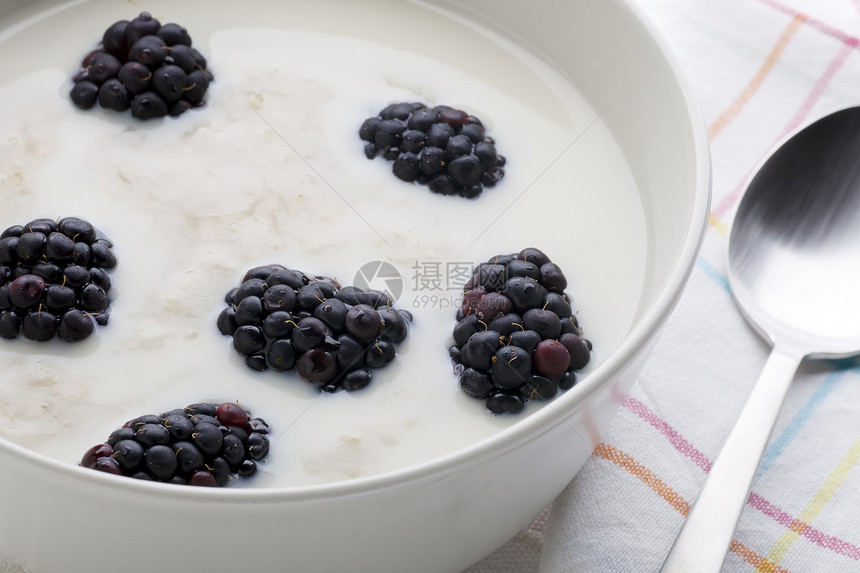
794,245
793,255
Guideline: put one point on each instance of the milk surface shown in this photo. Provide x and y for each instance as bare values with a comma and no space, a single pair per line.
272,171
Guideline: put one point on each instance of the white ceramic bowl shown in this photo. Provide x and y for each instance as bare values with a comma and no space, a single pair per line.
445,514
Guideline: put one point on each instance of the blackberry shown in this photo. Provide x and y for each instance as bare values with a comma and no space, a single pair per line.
76,276
331,335
152,433
54,279
257,445
356,379
248,340
124,433
60,248
394,325
248,468
169,81
231,415
26,291
526,339
332,312
363,322
95,453
379,354
39,325
143,25
100,278
114,39
540,387
188,457
74,325
517,337
174,34
406,166
148,105
107,465
13,231
93,297
249,311
441,147
31,246
201,409
525,293
278,324
78,229
84,94
350,354
207,437
196,87
506,324
160,462
317,365
551,358
256,362
178,108
493,305
475,383
9,250
511,367
102,254
141,421
179,426
10,324
282,297
439,134
183,56
113,95
479,352
545,322
310,333
135,76
204,444
559,304
128,453
465,328
505,403
233,450
578,348
102,67
145,66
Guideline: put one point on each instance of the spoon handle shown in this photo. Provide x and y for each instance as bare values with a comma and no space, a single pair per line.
706,535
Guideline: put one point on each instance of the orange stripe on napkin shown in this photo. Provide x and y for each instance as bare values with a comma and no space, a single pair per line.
752,87
754,559
625,461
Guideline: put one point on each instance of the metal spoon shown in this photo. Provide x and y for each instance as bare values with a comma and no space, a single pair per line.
794,270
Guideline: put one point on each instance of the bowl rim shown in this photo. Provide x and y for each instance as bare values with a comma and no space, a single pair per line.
524,430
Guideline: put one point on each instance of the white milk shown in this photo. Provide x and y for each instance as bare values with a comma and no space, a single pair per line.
272,170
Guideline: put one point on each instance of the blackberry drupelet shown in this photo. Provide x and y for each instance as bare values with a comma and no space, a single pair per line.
517,338
441,147
205,444
145,67
54,280
332,336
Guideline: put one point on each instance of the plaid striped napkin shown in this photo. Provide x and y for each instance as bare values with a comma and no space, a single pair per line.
760,69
